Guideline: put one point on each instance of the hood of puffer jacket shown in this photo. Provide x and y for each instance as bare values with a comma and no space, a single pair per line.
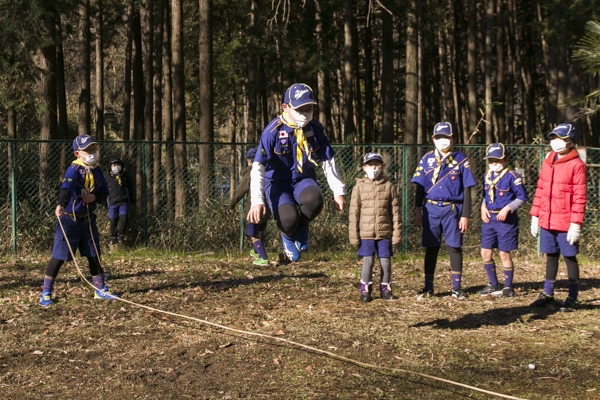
115,160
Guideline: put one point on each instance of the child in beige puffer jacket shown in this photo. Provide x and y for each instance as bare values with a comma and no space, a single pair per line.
374,224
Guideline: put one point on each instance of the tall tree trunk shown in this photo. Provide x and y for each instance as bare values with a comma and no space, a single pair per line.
369,116
205,102
322,74
138,105
489,43
84,68
500,73
147,52
233,177
178,106
252,88
158,105
349,128
167,110
99,71
412,86
387,77
127,77
63,127
471,69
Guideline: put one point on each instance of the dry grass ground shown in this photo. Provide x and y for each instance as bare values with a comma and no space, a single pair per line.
93,349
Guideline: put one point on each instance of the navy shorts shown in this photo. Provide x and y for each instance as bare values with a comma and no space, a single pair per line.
79,236
551,242
438,219
279,193
115,211
368,247
501,235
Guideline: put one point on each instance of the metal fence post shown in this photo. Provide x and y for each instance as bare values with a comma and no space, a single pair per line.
404,199
13,192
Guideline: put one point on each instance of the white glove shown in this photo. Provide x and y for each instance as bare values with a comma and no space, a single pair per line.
535,227
574,233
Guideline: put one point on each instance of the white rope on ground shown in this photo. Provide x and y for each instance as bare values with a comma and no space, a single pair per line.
296,344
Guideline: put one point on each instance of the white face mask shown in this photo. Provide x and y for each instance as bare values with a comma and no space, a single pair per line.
442,144
301,118
496,167
558,145
90,159
115,169
372,172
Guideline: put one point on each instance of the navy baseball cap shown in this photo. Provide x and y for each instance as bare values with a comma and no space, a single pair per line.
495,150
298,95
563,131
443,128
82,142
372,156
251,153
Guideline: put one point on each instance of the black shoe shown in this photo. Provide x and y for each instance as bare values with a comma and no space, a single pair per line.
569,305
425,292
121,238
366,297
113,240
459,294
542,300
508,292
490,289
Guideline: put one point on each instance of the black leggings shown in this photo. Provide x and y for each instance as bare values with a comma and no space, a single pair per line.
311,204
431,255
54,267
552,267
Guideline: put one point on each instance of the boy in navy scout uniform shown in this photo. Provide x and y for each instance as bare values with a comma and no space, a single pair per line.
503,194
443,205
254,231
120,189
284,169
82,188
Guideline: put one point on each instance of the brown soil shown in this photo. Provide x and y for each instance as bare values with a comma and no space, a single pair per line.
93,349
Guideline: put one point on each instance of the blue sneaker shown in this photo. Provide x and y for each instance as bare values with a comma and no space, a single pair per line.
46,298
302,236
289,248
104,294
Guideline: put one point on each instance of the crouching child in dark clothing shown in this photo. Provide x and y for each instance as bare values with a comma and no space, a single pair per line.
120,189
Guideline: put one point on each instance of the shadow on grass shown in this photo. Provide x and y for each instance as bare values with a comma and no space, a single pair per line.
222,285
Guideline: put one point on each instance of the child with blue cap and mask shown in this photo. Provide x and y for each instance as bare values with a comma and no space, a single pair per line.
557,212
503,194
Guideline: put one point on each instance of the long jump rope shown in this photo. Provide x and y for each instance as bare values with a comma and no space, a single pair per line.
242,332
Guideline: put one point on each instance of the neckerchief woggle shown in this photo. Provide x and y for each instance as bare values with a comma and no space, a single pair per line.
493,182
439,161
300,138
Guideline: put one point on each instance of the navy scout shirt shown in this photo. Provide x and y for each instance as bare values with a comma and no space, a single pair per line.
508,188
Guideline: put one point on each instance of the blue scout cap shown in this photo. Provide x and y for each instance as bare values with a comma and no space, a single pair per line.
251,153
495,150
372,156
443,128
298,94
82,142
563,131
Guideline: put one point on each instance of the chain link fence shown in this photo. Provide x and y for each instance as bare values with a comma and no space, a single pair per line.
183,192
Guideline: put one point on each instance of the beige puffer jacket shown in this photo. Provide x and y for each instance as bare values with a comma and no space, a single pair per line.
374,211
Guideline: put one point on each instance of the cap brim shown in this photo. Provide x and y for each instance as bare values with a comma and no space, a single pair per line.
83,148
303,104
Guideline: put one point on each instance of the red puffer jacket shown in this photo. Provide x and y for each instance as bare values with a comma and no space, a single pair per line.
561,192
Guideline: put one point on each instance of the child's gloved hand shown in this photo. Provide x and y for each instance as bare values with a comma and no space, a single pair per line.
535,226
574,233
60,210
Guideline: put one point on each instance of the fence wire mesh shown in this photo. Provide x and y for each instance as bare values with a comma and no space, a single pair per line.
183,192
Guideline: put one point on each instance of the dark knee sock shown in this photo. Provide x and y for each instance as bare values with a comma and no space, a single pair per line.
113,226
311,203
366,275
573,274
288,219
122,222
52,270
455,254
551,272
97,272
431,254
490,269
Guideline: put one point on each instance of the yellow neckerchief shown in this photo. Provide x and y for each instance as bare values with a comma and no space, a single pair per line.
440,158
493,182
89,183
117,177
300,138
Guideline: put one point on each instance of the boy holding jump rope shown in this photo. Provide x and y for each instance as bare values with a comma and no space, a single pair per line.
82,188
